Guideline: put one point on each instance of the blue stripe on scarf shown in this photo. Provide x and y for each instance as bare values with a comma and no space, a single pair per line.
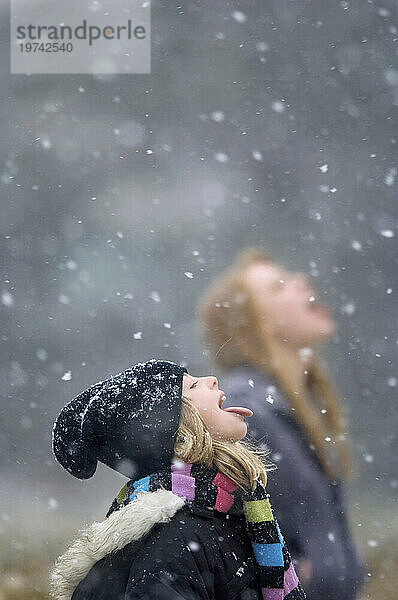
142,485
268,555
280,535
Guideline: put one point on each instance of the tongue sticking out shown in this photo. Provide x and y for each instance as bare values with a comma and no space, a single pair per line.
239,410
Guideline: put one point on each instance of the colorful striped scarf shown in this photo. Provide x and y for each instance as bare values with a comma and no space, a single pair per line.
207,487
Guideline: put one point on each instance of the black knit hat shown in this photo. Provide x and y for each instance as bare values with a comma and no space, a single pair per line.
126,422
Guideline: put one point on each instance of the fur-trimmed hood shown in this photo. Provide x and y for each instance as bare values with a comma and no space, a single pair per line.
128,524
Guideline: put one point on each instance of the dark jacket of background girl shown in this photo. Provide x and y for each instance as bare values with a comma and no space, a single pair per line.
310,509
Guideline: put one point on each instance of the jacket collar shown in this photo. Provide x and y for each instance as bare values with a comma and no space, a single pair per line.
129,523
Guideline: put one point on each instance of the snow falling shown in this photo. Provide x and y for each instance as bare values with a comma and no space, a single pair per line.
125,196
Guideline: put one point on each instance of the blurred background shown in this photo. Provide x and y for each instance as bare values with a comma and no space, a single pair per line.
272,124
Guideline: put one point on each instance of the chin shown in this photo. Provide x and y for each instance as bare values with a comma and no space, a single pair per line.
327,330
320,332
233,436
240,433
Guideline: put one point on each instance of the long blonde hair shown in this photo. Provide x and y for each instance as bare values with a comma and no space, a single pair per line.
240,461
234,337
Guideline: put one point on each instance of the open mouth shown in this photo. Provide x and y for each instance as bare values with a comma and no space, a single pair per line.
317,307
241,411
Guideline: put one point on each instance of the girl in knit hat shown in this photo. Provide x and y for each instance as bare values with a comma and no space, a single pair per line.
194,521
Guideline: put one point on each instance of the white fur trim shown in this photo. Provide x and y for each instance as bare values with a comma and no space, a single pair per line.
123,526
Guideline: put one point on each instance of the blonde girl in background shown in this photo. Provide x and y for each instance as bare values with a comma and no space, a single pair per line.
263,325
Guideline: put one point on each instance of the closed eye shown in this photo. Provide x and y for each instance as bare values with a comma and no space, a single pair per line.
193,385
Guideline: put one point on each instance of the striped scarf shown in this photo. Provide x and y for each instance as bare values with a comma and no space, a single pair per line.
208,487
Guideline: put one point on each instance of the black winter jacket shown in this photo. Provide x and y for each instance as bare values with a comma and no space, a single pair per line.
311,510
161,548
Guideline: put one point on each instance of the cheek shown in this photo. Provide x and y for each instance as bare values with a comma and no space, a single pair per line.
208,413
288,313
268,311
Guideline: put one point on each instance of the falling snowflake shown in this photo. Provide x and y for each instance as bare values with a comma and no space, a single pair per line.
278,106
387,233
154,296
383,12
45,143
218,116
52,503
67,376
41,354
305,353
348,308
193,546
390,176
188,274
262,46
324,168
269,399
239,16
356,245
138,335
7,299
221,157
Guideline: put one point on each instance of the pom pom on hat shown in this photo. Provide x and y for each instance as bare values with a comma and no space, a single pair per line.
127,422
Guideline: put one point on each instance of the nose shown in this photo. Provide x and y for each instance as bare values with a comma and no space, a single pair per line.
212,381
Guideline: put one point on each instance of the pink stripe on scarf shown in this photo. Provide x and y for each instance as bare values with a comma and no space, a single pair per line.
182,484
273,593
291,580
224,482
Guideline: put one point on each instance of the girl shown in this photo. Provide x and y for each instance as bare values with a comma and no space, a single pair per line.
263,323
194,521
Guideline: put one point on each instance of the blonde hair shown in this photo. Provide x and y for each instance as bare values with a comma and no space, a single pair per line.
240,461
231,328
